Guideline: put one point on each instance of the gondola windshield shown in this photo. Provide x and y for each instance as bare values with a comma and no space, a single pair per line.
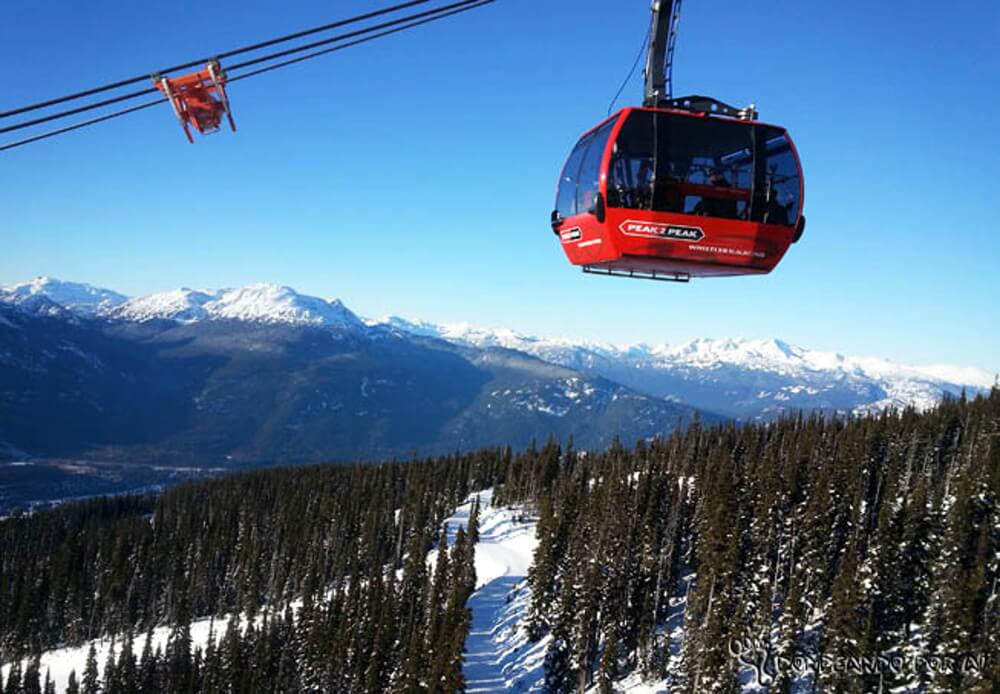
710,167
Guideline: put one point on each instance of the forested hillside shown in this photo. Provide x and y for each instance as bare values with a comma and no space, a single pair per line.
807,541
347,545
841,556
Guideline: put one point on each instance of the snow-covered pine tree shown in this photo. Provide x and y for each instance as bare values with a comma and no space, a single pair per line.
91,683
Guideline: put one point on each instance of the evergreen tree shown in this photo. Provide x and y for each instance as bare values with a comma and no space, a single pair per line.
473,530
14,676
437,628
109,675
541,575
31,683
91,679
178,665
148,675
234,664
609,661
125,669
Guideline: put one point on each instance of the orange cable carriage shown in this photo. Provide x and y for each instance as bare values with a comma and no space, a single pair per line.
199,99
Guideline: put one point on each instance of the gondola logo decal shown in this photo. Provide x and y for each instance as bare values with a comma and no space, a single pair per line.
571,235
656,230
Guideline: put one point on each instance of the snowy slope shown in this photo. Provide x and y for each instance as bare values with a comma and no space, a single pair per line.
35,305
183,305
499,657
61,662
506,538
270,303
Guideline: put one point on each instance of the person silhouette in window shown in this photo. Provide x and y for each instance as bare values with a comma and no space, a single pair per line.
711,206
776,213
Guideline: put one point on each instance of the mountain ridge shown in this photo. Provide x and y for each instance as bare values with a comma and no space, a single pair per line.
244,388
786,377
738,377
701,351
123,393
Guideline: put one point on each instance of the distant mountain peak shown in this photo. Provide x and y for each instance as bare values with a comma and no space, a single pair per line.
81,298
734,350
273,303
254,303
183,305
261,302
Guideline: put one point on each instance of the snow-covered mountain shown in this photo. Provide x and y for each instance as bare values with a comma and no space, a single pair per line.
743,378
262,374
739,377
82,299
257,303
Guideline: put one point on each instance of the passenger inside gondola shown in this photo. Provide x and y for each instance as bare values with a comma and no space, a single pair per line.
776,212
710,206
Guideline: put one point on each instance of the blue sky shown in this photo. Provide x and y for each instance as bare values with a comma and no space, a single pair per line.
415,175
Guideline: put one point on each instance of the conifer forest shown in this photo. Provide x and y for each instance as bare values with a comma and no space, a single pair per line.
686,559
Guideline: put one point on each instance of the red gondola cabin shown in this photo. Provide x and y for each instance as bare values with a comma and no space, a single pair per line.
672,194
